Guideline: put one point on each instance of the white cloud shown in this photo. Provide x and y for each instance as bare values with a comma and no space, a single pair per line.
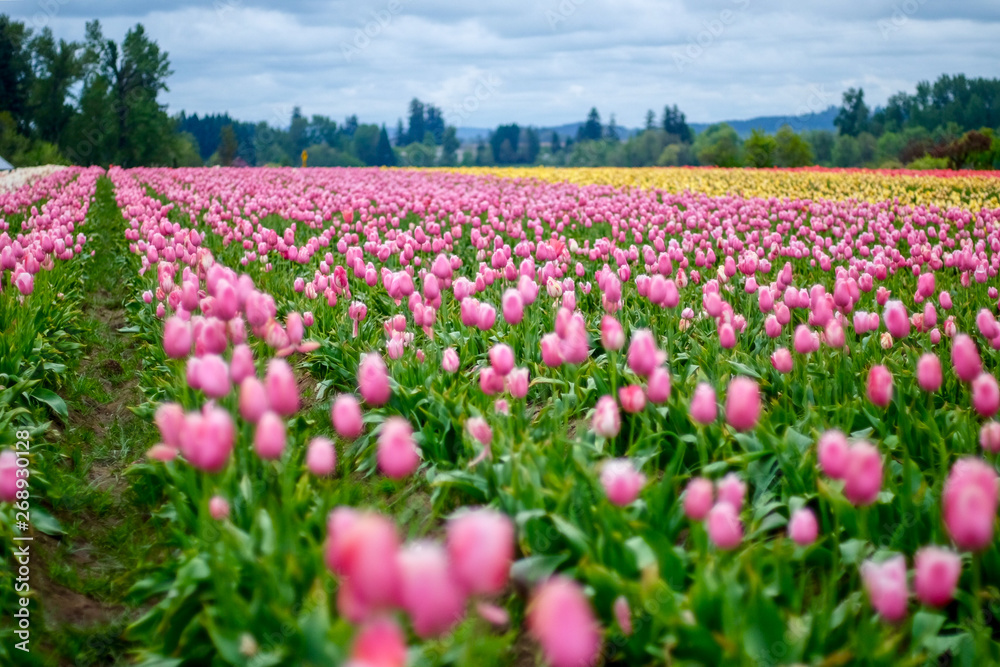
554,59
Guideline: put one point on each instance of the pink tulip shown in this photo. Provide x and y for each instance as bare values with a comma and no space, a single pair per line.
321,457
880,385
632,398
703,408
429,594
207,439
805,340
242,365
863,475
486,317
269,438
929,372
965,358
480,430
643,355
969,503
803,528
513,306
782,360
742,403
373,379
177,337
481,549
501,359
8,476
989,437
362,548
698,498
575,345
493,614
772,327
724,527
25,283
621,481
346,416
886,586
218,507
727,337
449,360
731,489
282,391
897,322
606,421
490,381
561,620
937,573
623,614
170,419
833,453
517,382
397,454
551,352
612,335
213,376
253,399
658,385
985,395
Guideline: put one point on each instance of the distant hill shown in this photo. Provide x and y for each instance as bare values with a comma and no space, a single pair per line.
821,120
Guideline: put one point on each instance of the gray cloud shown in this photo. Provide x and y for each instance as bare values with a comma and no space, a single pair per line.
549,61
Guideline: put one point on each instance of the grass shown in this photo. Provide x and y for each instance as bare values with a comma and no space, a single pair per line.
108,529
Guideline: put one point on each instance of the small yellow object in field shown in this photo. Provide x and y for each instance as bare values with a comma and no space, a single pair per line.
305,156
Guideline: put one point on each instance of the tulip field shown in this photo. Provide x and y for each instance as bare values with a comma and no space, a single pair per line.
565,417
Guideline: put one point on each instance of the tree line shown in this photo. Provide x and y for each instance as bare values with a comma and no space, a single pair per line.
96,101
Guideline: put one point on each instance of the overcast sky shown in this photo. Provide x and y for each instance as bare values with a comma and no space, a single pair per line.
542,62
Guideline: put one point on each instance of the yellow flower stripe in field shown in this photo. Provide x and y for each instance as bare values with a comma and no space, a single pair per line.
968,192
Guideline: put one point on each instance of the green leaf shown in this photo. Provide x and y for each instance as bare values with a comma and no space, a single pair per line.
536,568
573,535
644,555
744,369
45,522
926,625
51,399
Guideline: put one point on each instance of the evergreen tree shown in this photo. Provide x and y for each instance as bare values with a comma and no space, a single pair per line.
434,123
384,155
591,130
674,122
227,145
16,76
416,130
611,134
449,146
57,68
127,125
853,119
